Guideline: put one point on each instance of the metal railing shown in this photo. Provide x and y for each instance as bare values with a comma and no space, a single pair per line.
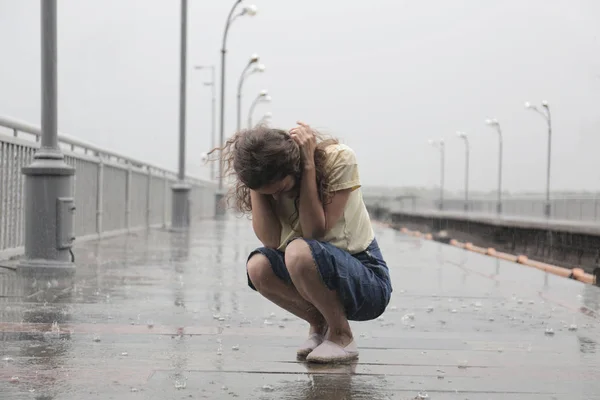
113,193
577,207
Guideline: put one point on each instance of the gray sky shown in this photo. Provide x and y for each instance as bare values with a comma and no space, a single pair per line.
382,75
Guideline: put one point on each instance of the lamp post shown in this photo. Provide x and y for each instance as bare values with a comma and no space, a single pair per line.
263,97
464,137
49,204
180,211
441,146
250,11
495,124
213,111
546,116
259,68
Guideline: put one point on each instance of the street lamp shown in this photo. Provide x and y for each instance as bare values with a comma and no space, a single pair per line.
263,97
259,68
464,137
546,116
440,145
211,84
249,11
495,124
266,117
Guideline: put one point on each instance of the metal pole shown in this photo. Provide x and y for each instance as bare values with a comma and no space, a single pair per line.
49,140
239,94
182,90
213,119
252,107
49,204
467,175
181,190
219,195
443,156
548,209
499,205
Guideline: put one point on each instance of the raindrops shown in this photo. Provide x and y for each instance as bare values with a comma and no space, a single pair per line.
422,395
573,327
14,379
429,309
268,388
124,354
235,348
134,390
408,317
267,322
549,332
463,364
150,324
7,359
491,319
180,383
454,311
96,338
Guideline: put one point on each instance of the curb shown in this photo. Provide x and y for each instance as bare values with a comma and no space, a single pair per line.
575,273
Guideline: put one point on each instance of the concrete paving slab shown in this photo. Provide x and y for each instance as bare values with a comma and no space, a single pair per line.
160,315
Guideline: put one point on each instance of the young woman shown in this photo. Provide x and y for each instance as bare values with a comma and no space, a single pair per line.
320,259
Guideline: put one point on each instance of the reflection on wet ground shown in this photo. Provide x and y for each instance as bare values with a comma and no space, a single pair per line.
160,315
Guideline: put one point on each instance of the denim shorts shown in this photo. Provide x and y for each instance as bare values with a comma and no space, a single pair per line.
362,280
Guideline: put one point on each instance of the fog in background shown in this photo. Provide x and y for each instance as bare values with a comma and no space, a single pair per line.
382,75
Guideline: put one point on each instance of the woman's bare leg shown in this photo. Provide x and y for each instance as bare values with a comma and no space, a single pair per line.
284,295
310,285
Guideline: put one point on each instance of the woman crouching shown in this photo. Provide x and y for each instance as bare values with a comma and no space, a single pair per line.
320,259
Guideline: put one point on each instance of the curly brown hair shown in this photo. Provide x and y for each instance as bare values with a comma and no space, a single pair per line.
261,156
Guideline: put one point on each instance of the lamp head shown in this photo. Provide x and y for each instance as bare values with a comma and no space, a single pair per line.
260,68
250,10
264,92
254,58
545,103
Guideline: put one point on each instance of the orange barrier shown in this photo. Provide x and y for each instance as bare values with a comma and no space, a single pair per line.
575,273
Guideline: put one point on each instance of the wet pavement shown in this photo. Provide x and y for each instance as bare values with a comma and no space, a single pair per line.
160,315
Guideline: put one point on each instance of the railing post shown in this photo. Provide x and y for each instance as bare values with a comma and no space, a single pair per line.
99,197
148,194
128,198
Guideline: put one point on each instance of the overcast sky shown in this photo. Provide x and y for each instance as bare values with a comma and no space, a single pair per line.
382,75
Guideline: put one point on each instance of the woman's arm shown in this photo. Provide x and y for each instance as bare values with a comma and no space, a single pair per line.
265,223
315,219
310,209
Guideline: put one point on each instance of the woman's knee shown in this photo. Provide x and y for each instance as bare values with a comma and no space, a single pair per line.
260,271
298,258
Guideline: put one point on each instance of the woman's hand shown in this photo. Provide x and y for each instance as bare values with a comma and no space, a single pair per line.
305,138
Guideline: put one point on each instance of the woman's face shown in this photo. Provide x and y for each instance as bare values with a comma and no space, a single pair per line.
276,189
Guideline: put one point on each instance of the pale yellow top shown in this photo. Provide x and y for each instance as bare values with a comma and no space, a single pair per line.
353,231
